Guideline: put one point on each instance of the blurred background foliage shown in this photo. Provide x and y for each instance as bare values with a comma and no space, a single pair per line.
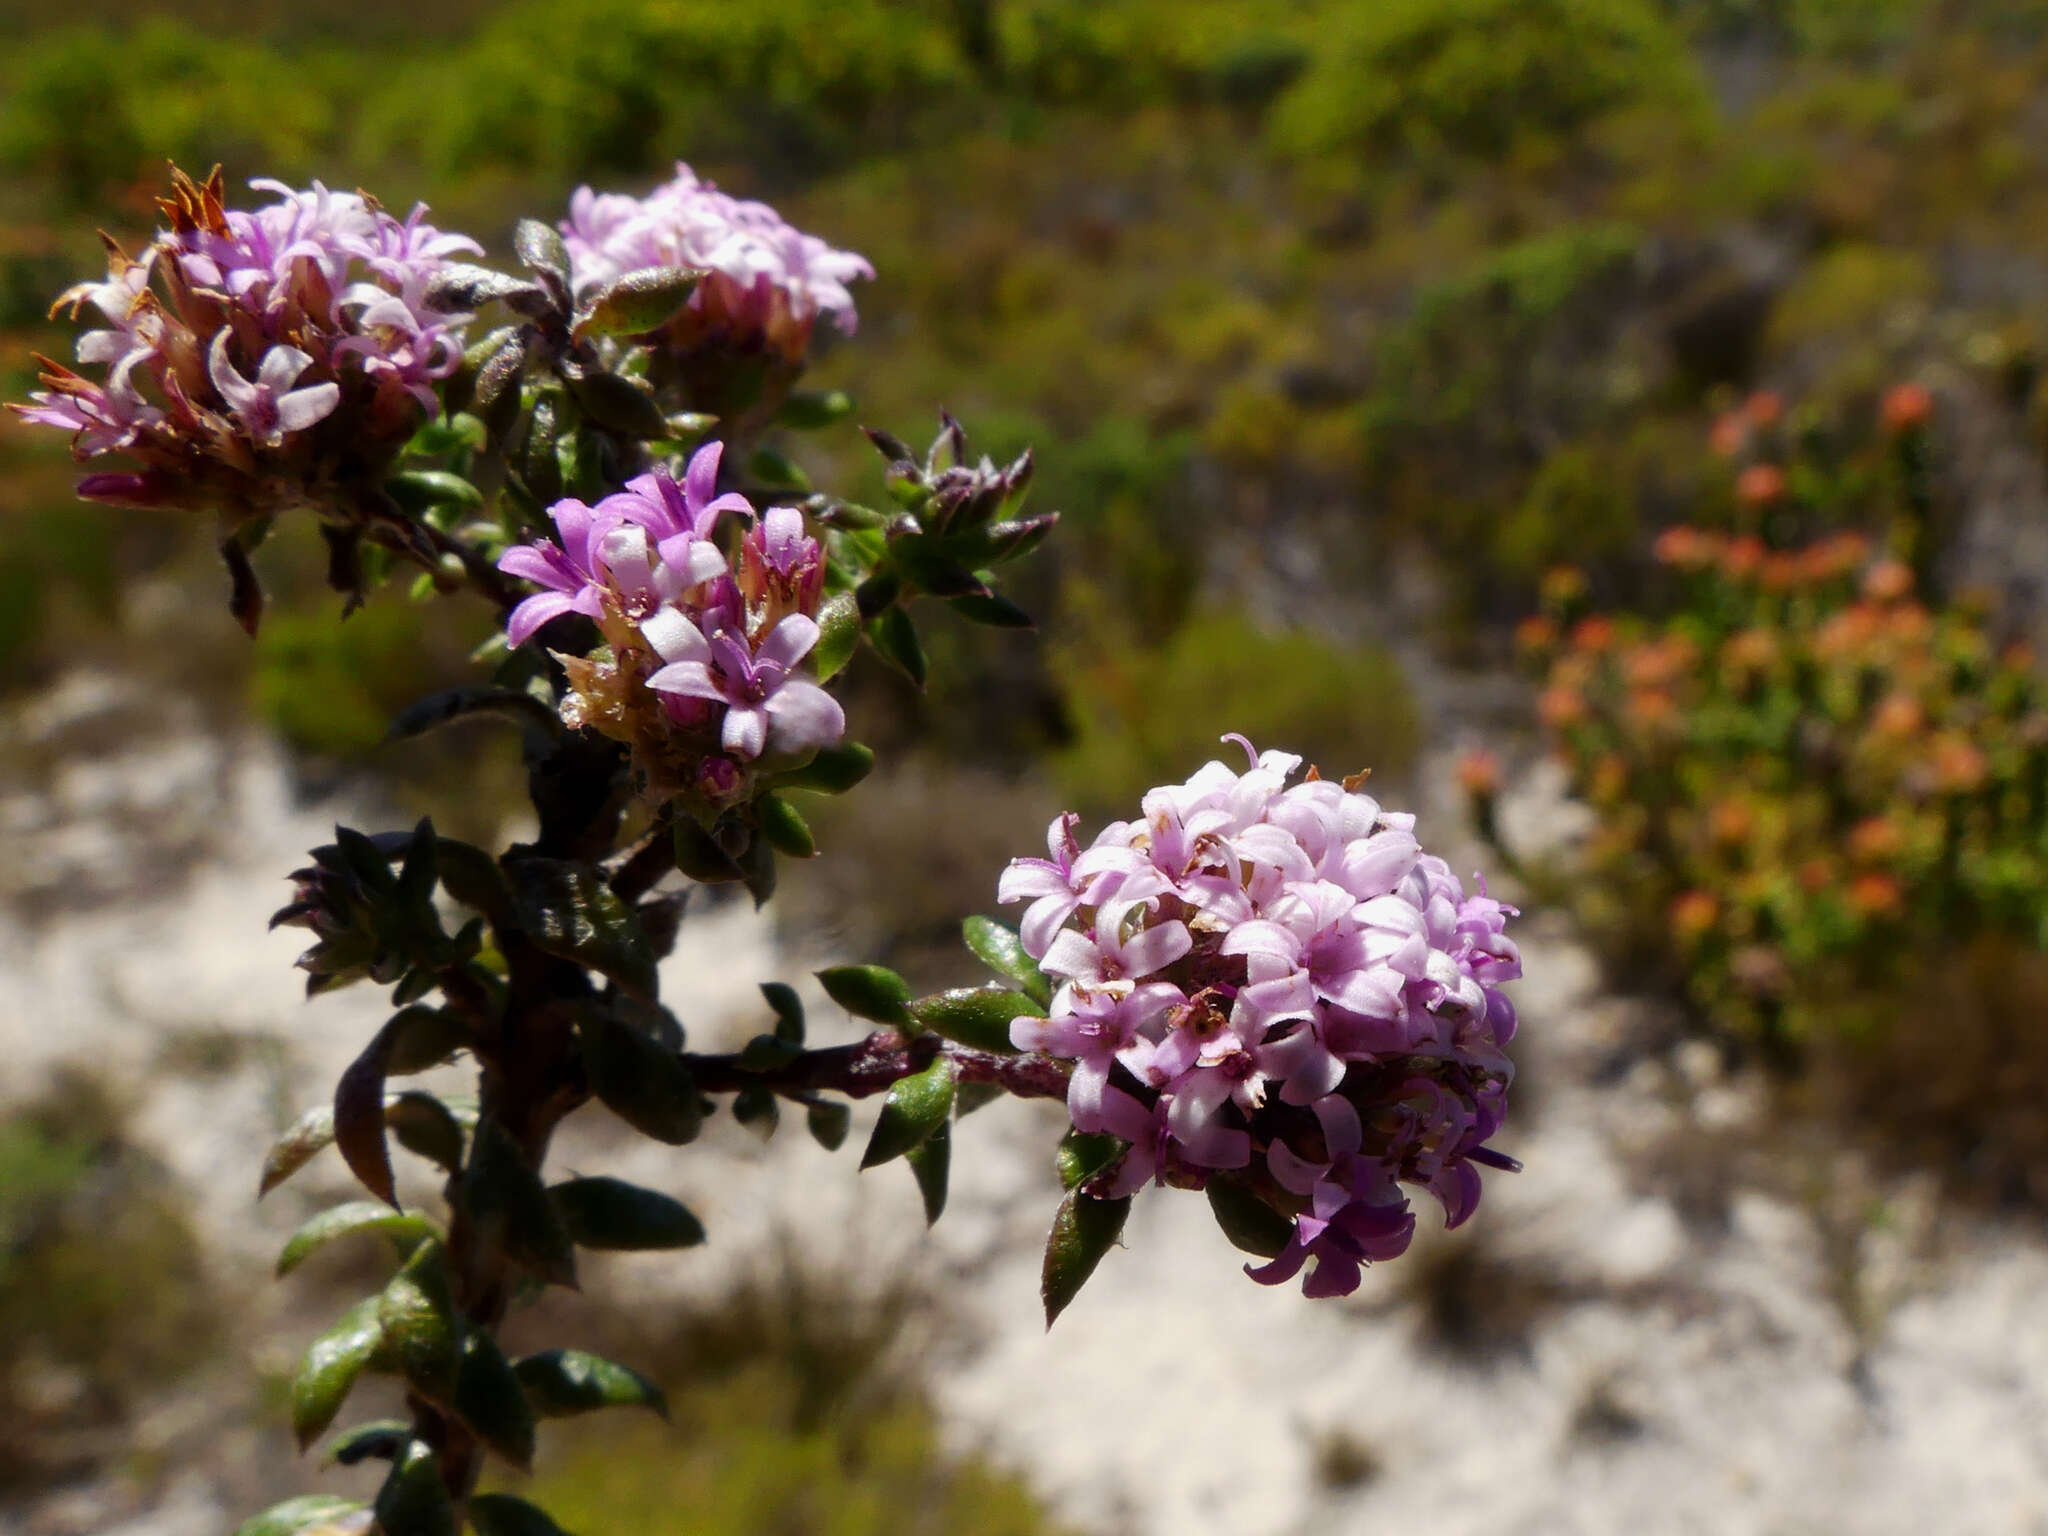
1337,326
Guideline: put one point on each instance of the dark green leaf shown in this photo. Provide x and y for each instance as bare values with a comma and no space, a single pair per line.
920,557
540,460
1083,1231
331,1365
619,405
473,878
789,1011
425,1127
991,608
809,410
563,1382
640,301
458,285
972,1096
513,704
540,246
423,1037
414,1500
772,467
1246,1220
915,1108
422,1334
510,1208
755,1107
1081,1156
974,1016
768,1053
567,909
838,635
929,1161
359,1117
998,947
868,992
417,490
785,828
700,856
874,596
380,1439
489,1399
345,1220
833,771
645,1085
503,1514
894,638
304,1513
828,1121
757,870
612,1214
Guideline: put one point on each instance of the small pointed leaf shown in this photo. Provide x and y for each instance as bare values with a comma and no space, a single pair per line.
423,1037
998,947
489,1399
426,1127
505,1514
975,1016
789,1010
1082,1232
298,1146
331,1365
828,1121
809,410
645,1085
838,635
785,828
868,992
422,1333
564,1382
511,1211
915,1108
1081,1156
345,1221
1246,1220
930,1162
638,302
612,1214
380,1439
894,637
569,910
514,704
414,1500
833,771
359,1117
301,1516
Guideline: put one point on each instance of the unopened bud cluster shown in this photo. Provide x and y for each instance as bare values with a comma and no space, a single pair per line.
698,669
1272,983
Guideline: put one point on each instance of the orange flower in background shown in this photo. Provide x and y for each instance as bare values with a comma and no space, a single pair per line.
1764,409
1815,876
1562,586
1687,548
1875,840
1873,894
1693,916
1651,708
1959,767
1760,486
1537,633
1730,432
1888,581
1732,822
1782,572
1593,634
1847,634
1739,561
1898,716
1558,707
1906,408
1479,773
1610,779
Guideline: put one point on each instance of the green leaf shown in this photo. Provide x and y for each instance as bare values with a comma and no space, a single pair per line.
930,1161
829,1121
330,1367
563,1382
1246,1220
568,910
700,856
868,992
767,1053
418,490
414,1500
789,1010
997,946
640,301
473,878
915,1108
298,1146
612,1214
772,467
833,771
785,828
380,1439
755,1107
426,1127
894,637
619,405
1082,1232
514,704
540,246
304,1513
511,1211
489,1399
422,1333
645,1085
1081,1156
423,1037
503,1514
991,608
810,410
346,1220
838,635
975,1016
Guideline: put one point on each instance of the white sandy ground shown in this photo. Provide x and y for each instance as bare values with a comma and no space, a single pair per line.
1678,1377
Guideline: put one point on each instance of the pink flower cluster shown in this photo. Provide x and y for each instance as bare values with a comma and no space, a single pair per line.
768,280
235,334
1274,980
699,673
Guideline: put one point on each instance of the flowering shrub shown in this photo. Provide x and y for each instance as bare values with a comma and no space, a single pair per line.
1264,990
1810,783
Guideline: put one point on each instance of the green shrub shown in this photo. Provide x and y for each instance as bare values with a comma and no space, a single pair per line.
1150,716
